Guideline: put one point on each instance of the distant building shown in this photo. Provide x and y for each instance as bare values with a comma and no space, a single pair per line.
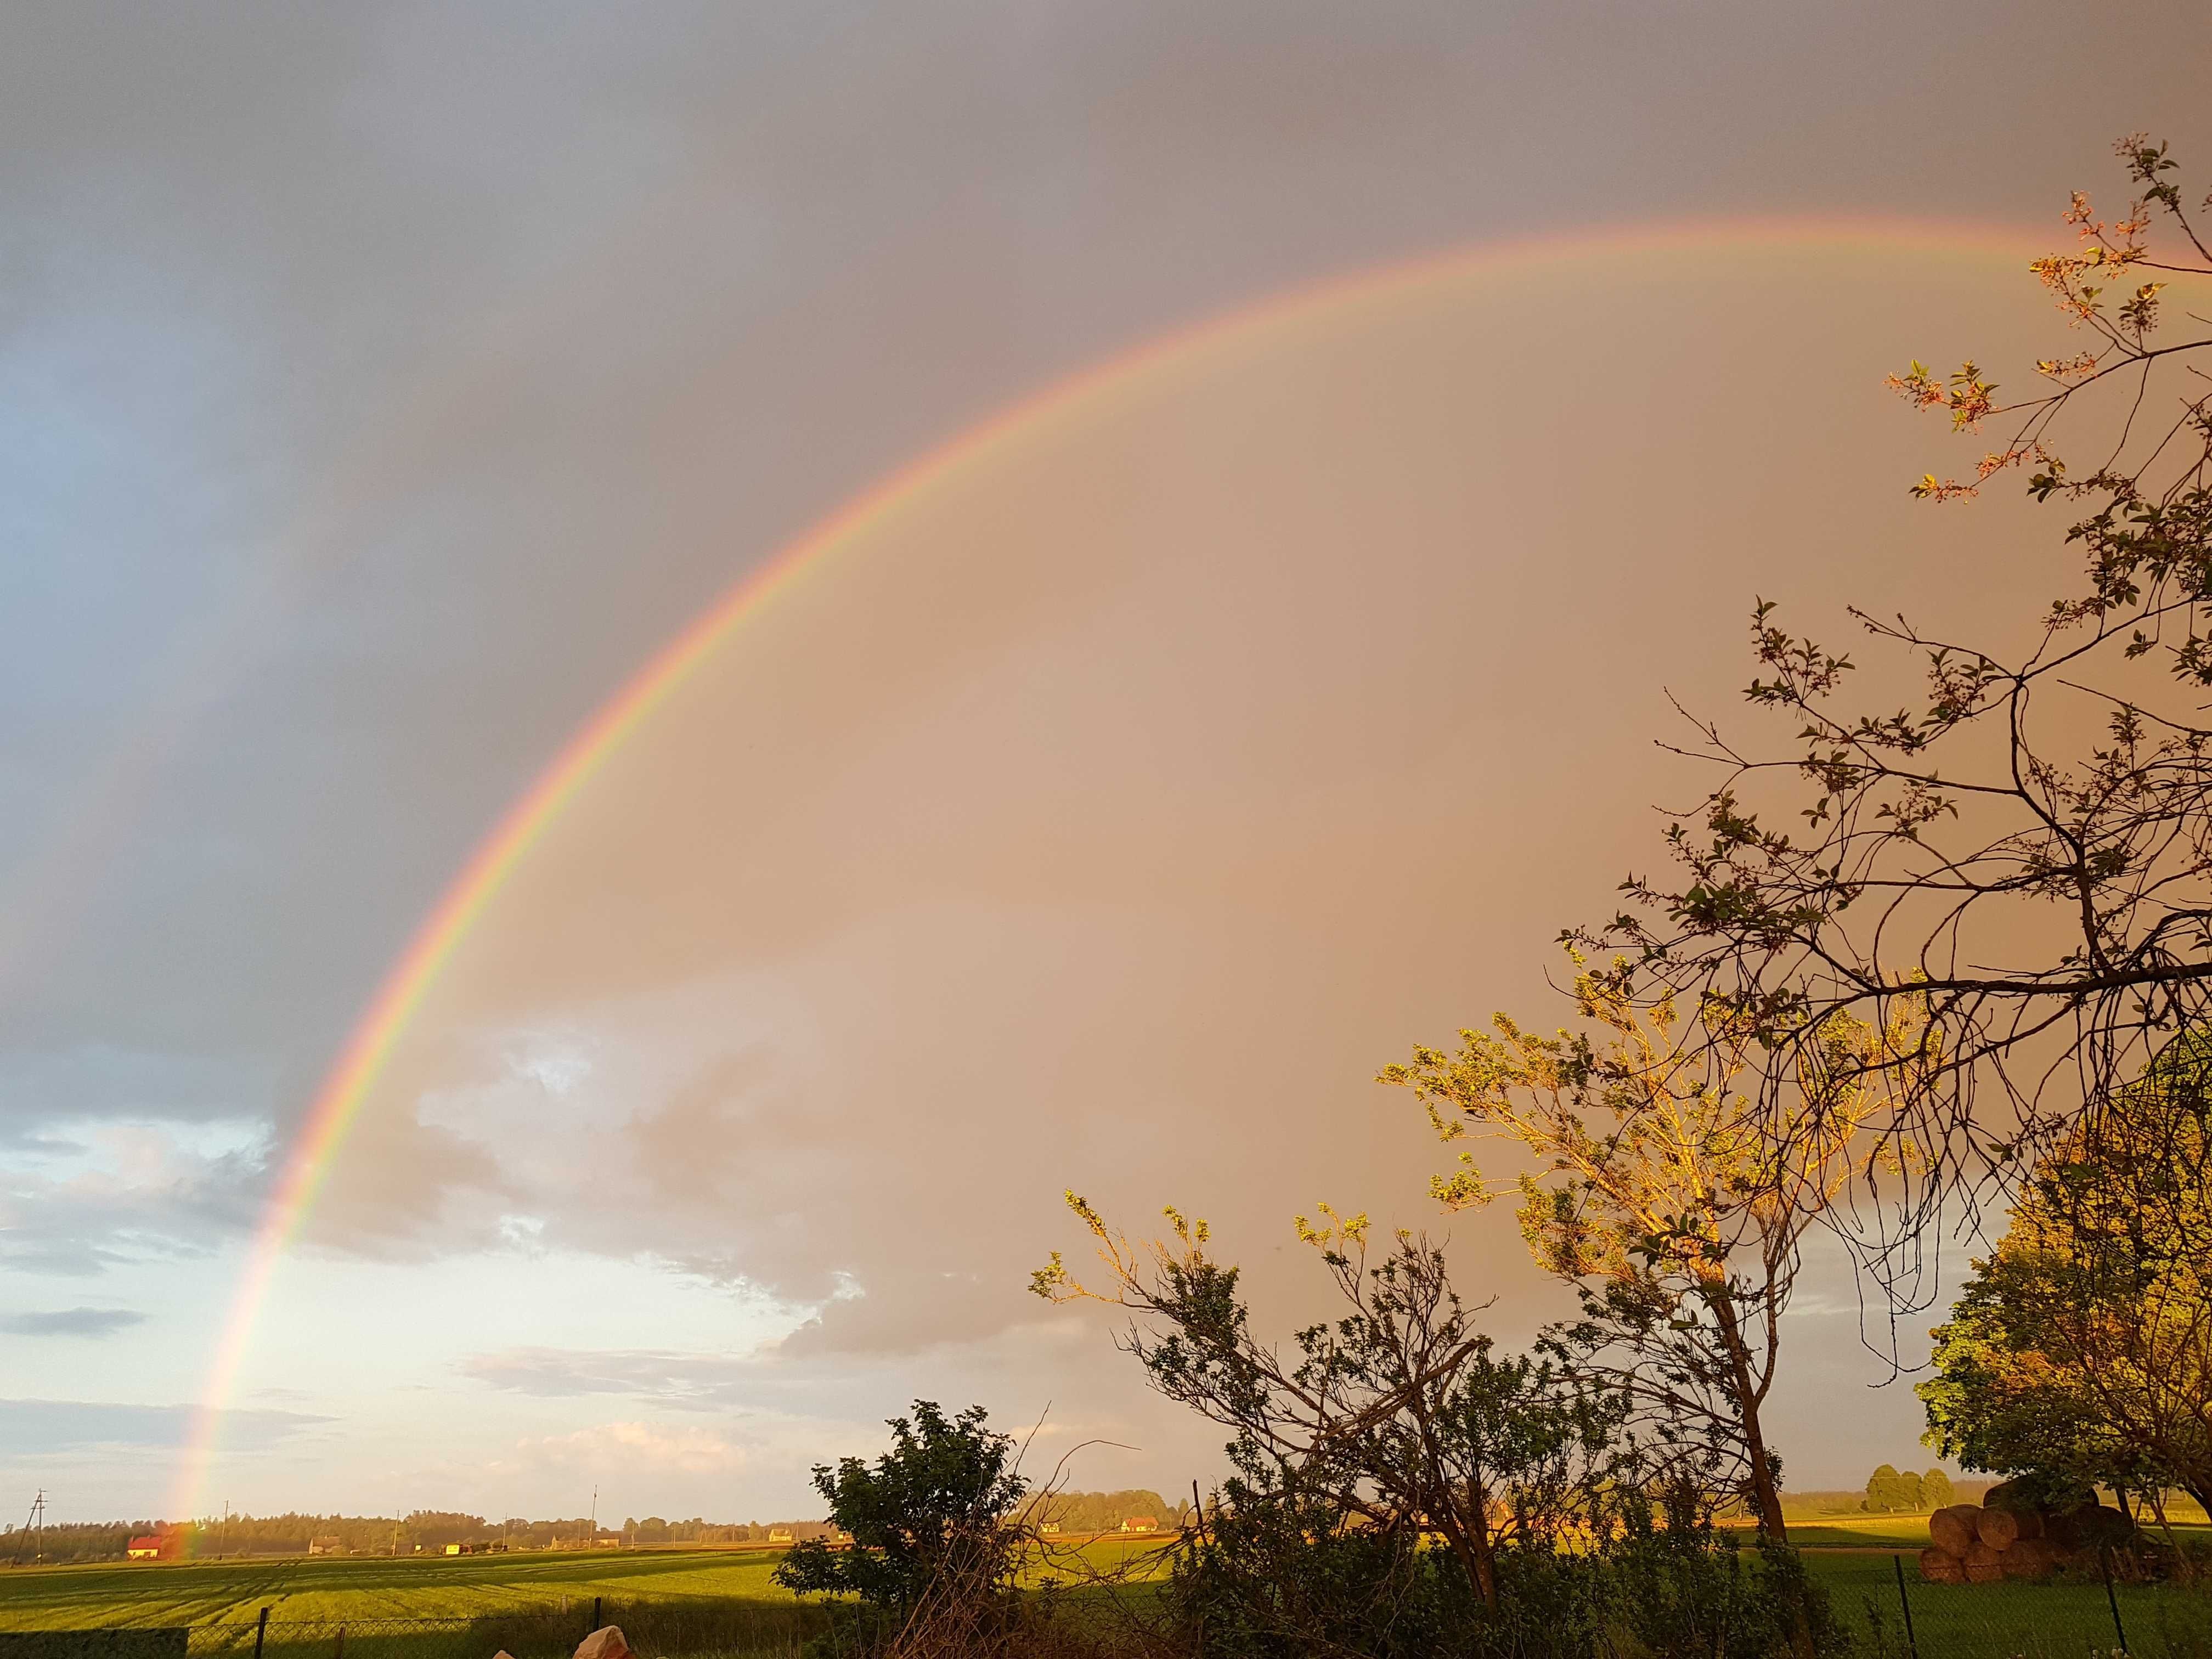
778,1535
1049,1527
1140,1523
325,1546
148,1548
460,1549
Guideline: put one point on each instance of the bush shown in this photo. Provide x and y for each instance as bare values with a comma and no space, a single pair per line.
1284,1578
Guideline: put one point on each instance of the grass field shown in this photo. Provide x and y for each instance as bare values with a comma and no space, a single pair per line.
367,1587
1886,1532
726,1602
533,1605
2063,1620
686,1601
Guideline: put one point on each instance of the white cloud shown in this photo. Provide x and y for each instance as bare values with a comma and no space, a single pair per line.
632,1445
107,1193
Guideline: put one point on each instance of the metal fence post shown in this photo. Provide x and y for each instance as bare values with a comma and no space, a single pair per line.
595,1614
1912,1642
260,1630
338,1650
2112,1596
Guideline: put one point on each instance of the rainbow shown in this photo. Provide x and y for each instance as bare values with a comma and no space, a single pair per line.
353,1076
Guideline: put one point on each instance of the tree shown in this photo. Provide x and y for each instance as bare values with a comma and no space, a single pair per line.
1101,1511
936,1504
2023,849
2081,1352
1398,1419
1936,1492
1889,1493
1659,1197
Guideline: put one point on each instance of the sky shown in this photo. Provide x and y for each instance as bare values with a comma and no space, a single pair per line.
384,386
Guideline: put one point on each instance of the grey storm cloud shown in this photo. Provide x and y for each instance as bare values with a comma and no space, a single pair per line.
71,1322
700,1380
385,383
99,1196
30,1427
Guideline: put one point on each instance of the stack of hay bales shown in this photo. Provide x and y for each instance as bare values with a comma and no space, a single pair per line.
2005,1536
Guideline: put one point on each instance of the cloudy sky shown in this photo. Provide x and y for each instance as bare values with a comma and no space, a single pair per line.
383,386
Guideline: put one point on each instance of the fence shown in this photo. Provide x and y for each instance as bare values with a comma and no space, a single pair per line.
742,1629
1896,1613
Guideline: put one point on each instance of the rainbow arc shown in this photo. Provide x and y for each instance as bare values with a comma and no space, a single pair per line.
354,1074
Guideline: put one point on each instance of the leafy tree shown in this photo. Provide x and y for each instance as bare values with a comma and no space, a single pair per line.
1101,1511
1286,1571
1936,1492
2022,850
1658,1195
1890,1492
2081,1352
935,1505
1397,1418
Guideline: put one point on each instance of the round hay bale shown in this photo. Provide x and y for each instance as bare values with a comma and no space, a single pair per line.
1941,1567
2096,1525
2063,1529
1985,1572
2030,1558
1998,1529
1953,1529
2005,1495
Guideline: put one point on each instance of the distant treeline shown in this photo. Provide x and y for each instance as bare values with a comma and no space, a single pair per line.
1861,1501
77,1541
1103,1511
429,1530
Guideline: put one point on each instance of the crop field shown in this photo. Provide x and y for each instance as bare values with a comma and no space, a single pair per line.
672,1602
543,1600
369,1587
534,1606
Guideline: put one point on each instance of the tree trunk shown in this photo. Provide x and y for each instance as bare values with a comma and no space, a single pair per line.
1765,1493
2180,1556
1766,1497
1472,1543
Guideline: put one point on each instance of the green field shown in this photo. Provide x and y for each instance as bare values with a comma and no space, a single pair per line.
532,1606
701,1602
2063,1621
369,1587
1887,1532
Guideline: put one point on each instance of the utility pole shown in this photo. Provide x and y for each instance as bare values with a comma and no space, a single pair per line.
595,1517
36,1525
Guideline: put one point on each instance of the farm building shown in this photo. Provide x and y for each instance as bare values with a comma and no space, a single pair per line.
148,1548
325,1546
778,1535
1140,1523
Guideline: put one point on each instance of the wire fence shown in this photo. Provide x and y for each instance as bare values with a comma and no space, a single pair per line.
742,1629
1891,1611
1896,1613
